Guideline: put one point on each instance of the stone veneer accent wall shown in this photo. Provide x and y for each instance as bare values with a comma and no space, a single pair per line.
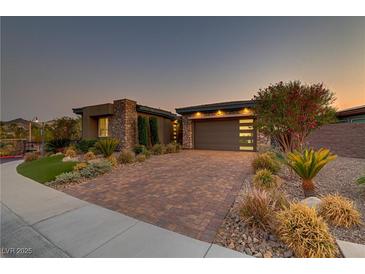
124,123
187,128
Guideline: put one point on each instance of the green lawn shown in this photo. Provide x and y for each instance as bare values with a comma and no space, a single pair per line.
45,169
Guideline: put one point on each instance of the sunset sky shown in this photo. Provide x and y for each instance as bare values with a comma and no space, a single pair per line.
50,65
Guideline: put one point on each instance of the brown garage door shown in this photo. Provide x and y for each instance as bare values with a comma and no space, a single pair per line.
224,134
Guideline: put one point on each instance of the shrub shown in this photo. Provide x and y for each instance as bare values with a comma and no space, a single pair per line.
305,233
266,160
113,160
80,166
139,149
258,208
178,147
307,165
170,148
70,153
57,145
126,157
142,131
265,179
106,146
68,177
158,149
140,158
31,156
147,153
85,145
339,211
154,130
95,169
361,180
89,156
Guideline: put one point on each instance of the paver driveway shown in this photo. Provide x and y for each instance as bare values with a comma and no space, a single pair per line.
188,192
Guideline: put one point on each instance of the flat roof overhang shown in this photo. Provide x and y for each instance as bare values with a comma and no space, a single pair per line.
234,105
156,111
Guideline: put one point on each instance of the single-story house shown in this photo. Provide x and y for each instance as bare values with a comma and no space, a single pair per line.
221,126
352,115
119,120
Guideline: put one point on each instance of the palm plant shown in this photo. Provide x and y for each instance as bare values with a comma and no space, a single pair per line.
307,164
107,146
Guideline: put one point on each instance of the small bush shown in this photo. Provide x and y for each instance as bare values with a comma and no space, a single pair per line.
139,149
113,160
178,147
85,145
339,211
266,160
57,145
80,166
170,148
95,169
158,149
31,156
305,233
68,177
70,153
258,208
89,156
265,179
126,157
361,180
107,146
140,158
147,153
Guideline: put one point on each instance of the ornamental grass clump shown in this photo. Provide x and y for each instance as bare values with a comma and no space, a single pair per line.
267,161
126,157
80,166
70,152
306,233
307,164
339,211
257,208
170,148
113,160
89,156
158,149
106,146
140,158
265,179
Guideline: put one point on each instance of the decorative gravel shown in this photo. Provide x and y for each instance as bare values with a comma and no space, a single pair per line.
338,176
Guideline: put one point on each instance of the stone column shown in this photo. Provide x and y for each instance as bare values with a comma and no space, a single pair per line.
263,142
187,125
124,123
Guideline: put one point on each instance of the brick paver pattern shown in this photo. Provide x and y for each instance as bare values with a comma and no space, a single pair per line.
188,192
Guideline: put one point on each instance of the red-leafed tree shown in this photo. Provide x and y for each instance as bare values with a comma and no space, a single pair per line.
288,112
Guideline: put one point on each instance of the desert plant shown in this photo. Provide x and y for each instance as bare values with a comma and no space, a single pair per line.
95,169
265,179
31,156
142,131
147,153
68,177
57,145
307,165
113,160
80,166
139,149
170,148
107,146
361,180
126,157
257,208
85,145
305,232
178,147
267,161
70,153
154,130
140,158
158,149
89,156
339,211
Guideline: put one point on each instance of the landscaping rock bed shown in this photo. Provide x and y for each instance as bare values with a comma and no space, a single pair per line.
338,176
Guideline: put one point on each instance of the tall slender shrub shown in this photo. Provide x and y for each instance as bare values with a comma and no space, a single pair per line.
142,131
154,131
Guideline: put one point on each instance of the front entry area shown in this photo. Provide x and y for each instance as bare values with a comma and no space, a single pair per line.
235,134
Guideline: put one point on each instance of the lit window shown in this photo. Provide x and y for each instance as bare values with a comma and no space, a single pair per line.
245,134
103,124
246,127
246,148
246,121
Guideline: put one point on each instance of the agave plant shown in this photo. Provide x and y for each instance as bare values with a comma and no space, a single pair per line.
106,146
307,164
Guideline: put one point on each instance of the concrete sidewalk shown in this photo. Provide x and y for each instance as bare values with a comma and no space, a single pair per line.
37,221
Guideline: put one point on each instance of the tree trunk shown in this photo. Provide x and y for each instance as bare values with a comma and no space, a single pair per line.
308,187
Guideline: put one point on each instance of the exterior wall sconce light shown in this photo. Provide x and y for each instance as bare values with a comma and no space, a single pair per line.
198,113
219,112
